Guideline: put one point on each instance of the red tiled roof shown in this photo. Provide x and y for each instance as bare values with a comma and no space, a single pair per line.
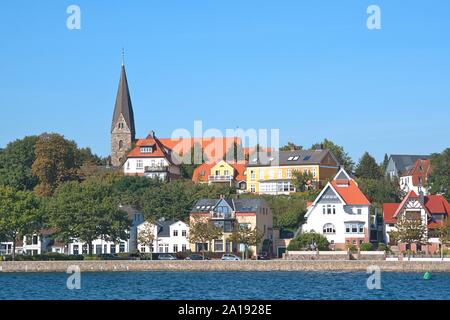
351,194
421,168
436,204
157,152
389,210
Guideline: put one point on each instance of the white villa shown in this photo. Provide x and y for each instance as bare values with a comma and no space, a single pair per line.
340,212
170,236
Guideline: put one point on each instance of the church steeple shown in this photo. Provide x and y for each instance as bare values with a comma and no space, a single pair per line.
122,127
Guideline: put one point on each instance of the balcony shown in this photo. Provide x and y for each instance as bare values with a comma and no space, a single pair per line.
156,168
221,215
220,178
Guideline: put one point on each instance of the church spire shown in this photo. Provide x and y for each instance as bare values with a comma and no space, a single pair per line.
123,104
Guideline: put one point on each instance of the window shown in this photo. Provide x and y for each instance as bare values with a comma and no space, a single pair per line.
175,248
146,149
354,242
359,211
120,144
306,158
324,210
85,249
183,247
288,173
34,240
160,248
334,209
329,229
226,173
328,208
112,249
175,233
252,175
128,165
355,227
252,188
280,174
166,248
98,249
218,246
76,249
139,164
122,247
183,233
290,158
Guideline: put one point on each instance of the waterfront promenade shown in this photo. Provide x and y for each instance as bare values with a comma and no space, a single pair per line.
217,265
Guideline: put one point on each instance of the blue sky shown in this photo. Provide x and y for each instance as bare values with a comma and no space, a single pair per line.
310,68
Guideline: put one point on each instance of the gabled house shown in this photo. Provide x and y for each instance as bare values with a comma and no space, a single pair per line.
415,177
399,164
222,172
340,212
170,236
273,172
230,214
150,158
432,210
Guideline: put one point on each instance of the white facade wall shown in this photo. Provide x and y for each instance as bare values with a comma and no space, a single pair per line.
137,166
99,246
172,244
406,185
344,214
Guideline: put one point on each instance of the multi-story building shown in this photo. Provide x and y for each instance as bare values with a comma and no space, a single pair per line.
415,178
432,210
229,214
340,212
272,172
399,164
170,236
222,172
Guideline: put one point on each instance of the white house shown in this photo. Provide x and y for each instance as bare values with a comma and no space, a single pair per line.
170,236
101,246
415,177
340,212
150,158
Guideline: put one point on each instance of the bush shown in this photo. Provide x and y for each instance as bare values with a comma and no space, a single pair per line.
366,246
351,247
303,242
49,256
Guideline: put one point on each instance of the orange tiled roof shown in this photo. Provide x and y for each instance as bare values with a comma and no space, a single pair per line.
157,152
351,194
389,210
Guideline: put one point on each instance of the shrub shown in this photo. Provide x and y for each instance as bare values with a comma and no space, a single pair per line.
351,247
366,246
303,242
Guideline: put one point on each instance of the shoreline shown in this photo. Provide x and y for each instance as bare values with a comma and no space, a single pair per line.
224,266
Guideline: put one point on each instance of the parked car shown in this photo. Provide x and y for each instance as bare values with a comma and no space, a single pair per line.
166,256
230,256
197,257
263,256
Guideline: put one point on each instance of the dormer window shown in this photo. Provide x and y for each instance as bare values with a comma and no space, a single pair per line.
147,149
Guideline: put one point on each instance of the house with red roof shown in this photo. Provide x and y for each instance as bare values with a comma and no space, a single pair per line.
222,172
432,210
415,177
340,212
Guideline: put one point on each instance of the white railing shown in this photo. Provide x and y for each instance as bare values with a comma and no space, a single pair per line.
220,178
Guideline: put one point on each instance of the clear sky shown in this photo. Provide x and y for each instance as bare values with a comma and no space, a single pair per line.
310,68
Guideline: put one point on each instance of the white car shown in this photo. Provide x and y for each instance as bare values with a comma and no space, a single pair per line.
230,256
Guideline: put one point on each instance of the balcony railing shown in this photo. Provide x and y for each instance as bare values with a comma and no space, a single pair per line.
220,178
221,215
156,169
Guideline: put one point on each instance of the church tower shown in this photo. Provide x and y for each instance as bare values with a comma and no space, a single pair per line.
122,127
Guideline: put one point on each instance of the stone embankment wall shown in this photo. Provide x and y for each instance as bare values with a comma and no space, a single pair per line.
217,265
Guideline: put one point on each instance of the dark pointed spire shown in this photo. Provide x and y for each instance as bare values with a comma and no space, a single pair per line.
123,104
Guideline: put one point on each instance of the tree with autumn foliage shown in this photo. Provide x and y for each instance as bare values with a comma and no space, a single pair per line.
409,230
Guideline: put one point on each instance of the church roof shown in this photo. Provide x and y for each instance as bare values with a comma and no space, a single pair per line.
123,104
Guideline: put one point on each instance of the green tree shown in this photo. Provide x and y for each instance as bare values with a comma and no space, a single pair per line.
235,153
20,215
55,162
309,241
409,230
248,237
385,163
147,236
203,231
368,168
439,178
302,180
191,160
87,211
15,164
338,151
290,146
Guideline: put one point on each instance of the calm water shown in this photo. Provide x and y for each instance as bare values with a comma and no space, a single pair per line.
223,285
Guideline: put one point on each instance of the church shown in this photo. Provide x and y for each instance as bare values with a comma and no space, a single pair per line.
151,156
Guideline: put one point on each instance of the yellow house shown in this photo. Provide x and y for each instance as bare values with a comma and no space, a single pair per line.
272,173
229,214
232,174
